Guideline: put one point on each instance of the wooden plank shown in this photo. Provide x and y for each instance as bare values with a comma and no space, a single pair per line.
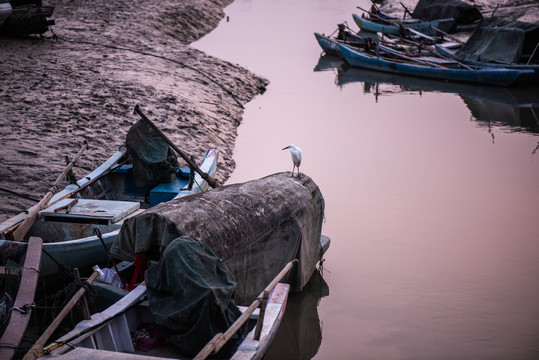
87,328
111,210
81,353
10,224
25,296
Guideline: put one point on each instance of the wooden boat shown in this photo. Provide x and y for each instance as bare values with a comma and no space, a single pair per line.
108,334
330,45
391,61
393,27
101,200
249,249
28,17
5,10
20,311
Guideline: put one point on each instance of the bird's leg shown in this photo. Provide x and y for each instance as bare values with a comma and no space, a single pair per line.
293,168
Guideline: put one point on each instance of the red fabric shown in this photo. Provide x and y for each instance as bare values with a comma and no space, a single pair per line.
141,265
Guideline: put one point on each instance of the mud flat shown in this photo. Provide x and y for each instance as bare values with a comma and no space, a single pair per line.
109,57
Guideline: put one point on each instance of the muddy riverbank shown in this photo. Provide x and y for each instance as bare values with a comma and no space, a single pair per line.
110,56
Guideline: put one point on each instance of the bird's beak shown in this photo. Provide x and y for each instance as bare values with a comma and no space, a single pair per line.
288,147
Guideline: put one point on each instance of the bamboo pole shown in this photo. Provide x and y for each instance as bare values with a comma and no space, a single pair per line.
423,62
37,349
448,35
211,181
26,224
221,339
436,54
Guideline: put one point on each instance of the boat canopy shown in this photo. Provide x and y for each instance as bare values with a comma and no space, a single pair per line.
503,41
461,12
256,228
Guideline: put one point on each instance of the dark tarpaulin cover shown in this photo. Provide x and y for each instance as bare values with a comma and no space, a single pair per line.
190,294
256,228
501,40
460,11
153,160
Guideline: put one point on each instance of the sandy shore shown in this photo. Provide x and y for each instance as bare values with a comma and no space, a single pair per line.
110,56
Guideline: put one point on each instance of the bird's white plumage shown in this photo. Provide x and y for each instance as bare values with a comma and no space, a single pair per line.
296,154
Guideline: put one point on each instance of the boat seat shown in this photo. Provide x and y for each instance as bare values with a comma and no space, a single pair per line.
89,210
168,191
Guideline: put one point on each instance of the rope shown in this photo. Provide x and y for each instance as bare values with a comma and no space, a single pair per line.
62,269
19,194
59,298
159,57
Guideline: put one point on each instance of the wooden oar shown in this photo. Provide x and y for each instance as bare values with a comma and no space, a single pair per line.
211,181
36,350
406,10
447,35
221,339
20,232
436,54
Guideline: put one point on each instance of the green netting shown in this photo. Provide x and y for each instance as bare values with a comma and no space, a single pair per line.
154,161
190,293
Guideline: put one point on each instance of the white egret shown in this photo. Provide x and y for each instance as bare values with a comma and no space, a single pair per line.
296,156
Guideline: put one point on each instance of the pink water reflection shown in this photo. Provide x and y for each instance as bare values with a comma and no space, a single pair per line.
432,214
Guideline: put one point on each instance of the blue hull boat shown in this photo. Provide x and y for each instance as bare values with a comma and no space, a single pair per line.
331,45
424,27
101,200
417,67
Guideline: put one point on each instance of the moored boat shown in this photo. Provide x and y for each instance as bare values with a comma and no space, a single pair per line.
101,200
391,61
394,27
330,45
109,334
5,10
207,251
27,17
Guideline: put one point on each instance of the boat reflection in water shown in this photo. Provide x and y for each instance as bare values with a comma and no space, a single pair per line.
300,334
511,108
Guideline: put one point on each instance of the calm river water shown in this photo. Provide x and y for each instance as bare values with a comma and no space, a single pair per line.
431,190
